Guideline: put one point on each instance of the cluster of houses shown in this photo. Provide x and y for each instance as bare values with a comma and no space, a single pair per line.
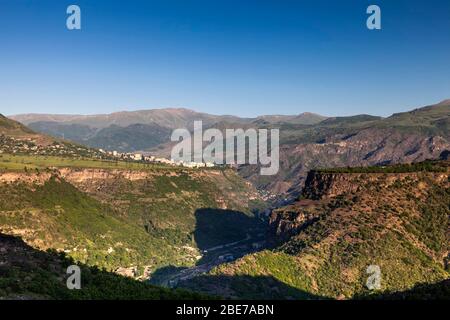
151,159
31,146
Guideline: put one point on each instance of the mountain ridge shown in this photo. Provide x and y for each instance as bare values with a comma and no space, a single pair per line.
416,135
144,116
27,118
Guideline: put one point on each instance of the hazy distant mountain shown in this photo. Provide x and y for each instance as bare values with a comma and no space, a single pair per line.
73,131
131,138
362,140
306,118
307,141
170,118
144,129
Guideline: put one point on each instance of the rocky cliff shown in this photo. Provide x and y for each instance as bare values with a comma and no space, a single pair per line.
346,221
321,185
364,148
356,141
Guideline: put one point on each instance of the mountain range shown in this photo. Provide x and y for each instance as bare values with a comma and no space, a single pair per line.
140,130
307,140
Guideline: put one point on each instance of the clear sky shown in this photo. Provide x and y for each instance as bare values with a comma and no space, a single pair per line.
242,57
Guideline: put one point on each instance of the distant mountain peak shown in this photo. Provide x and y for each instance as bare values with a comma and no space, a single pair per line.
306,113
444,102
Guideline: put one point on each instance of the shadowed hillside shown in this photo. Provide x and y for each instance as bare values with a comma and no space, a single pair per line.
27,273
345,222
214,227
425,291
259,287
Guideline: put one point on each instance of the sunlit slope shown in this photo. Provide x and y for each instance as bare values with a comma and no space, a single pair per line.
136,220
345,222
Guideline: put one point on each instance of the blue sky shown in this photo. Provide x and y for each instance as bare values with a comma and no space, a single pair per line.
246,57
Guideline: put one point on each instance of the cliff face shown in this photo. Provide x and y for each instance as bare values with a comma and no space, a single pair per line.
323,185
175,195
322,188
27,178
363,148
346,222
320,185
228,190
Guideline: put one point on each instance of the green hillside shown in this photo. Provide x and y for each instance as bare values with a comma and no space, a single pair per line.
27,273
430,120
398,222
57,215
427,120
22,162
118,222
